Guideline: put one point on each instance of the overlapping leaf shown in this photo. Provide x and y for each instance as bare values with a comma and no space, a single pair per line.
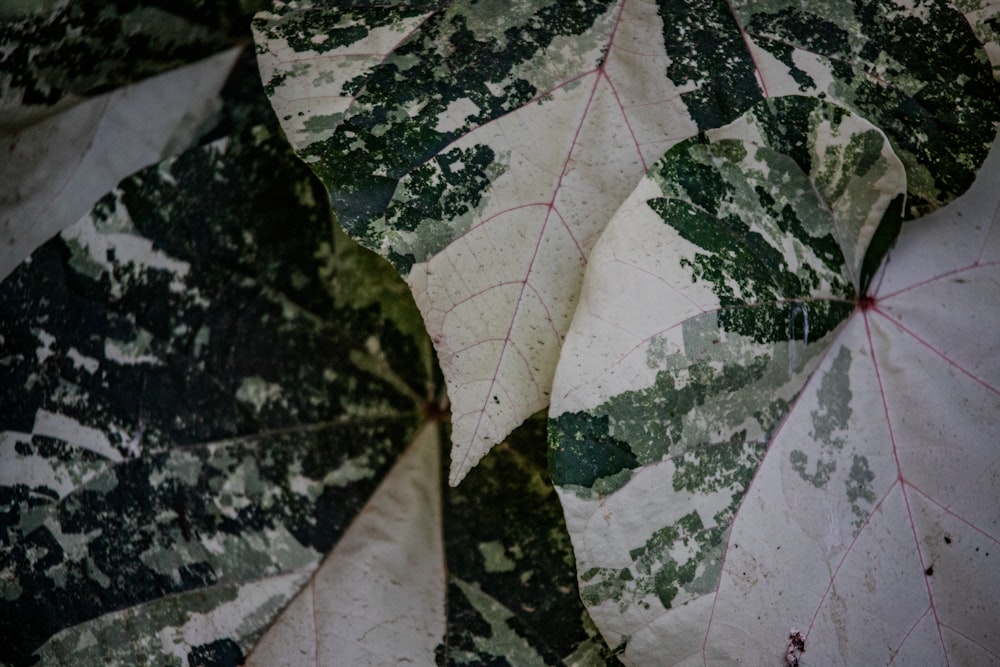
483,146
380,596
203,386
159,458
753,446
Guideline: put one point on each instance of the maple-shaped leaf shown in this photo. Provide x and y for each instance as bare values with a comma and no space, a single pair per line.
205,388
776,450
483,146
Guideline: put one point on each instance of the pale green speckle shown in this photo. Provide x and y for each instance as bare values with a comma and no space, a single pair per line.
352,470
135,351
201,340
495,557
502,641
257,392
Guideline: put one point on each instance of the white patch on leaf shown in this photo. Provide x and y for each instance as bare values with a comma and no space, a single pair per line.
73,432
257,392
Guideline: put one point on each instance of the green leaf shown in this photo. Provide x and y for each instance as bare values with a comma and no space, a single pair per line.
207,387
483,146
750,446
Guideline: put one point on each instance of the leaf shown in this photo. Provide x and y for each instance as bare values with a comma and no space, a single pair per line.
202,391
482,147
56,54
372,602
57,168
379,596
754,446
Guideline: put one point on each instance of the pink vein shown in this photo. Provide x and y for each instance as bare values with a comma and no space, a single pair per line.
941,276
899,325
777,431
601,75
902,481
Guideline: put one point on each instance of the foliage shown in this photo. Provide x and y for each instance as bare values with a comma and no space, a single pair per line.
223,421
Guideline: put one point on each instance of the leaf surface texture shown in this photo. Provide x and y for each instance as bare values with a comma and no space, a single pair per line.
482,147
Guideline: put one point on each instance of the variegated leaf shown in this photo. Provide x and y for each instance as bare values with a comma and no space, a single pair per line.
757,441
163,465
483,146
205,386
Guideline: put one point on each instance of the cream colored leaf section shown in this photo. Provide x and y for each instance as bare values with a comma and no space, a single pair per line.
884,537
498,300
54,171
378,598
641,287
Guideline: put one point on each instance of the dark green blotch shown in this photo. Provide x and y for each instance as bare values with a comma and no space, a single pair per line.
669,579
785,124
508,501
437,195
444,61
731,250
299,28
220,653
582,450
882,241
819,34
783,52
236,218
691,169
88,48
859,480
948,124
704,45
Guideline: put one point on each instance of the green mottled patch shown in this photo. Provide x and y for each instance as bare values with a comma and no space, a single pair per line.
582,450
504,530
703,396
859,488
155,629
240,455
54,52
498,639
495,558
708,60
257,392
397,127
438,201
829,424
937,105
678,563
